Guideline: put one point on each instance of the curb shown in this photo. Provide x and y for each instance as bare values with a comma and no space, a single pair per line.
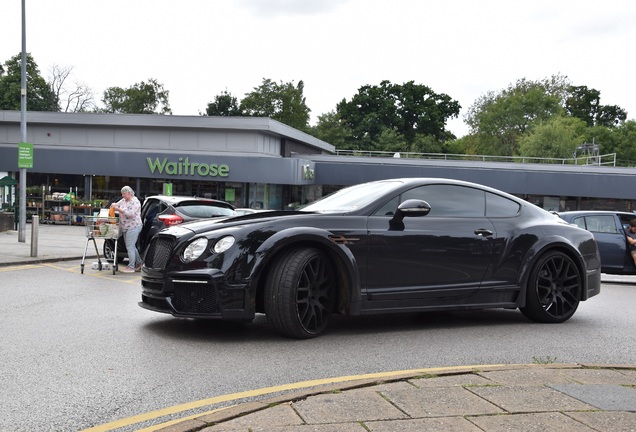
308,389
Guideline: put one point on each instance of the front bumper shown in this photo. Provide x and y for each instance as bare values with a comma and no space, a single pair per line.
202,293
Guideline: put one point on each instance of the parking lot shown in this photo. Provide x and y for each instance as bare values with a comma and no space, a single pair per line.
78,351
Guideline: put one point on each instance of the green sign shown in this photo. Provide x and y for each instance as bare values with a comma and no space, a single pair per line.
25,155
185,167
167,189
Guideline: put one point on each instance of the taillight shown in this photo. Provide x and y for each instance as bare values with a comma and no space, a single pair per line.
170,219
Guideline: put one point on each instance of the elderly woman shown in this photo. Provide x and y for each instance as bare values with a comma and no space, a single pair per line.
129,209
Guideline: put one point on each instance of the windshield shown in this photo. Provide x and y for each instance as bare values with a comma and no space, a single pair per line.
201,210
351,198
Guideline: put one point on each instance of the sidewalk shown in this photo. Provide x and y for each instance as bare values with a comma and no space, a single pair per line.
54,243
564,397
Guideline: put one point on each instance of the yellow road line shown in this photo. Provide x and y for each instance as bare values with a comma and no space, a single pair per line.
20,267
152,415
75,268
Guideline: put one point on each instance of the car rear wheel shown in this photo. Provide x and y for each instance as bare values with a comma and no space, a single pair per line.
300,293
554,289
109,250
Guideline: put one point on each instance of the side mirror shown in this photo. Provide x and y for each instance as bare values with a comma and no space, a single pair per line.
409,208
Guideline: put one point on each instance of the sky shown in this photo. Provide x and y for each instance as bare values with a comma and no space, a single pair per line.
198,49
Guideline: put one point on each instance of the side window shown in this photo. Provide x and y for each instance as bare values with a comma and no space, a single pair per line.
450,200
580,222
389,208
152,209
498,206
601,223
625,221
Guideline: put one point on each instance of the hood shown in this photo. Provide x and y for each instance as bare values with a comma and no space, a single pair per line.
206,225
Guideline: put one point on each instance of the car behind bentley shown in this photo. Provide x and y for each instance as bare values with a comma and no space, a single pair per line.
399,245
609,230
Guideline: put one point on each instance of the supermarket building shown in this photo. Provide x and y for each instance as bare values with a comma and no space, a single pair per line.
259,163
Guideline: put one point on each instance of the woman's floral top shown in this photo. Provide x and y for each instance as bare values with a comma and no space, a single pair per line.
129,213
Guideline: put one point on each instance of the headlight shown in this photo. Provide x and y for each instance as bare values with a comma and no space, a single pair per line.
194,250
223,244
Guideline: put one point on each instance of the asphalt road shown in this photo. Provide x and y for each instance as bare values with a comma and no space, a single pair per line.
77,352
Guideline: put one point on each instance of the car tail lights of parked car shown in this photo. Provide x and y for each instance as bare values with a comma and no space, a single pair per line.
170,219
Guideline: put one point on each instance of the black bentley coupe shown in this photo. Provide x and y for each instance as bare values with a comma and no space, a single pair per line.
398,245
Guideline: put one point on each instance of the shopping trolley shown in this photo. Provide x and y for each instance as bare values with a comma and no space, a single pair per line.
104,227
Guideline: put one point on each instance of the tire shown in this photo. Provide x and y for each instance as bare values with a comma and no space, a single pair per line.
554,289
300,293
109,251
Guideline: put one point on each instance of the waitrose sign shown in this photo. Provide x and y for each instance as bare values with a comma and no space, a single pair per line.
184,167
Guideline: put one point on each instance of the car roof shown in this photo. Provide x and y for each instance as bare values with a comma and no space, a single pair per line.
177,199
414,181
594,212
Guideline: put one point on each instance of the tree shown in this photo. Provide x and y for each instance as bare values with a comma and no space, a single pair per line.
39,94
585,104
141,98
224,105
283,102
558,137
620,140
499,120
76,97
409,110
331,129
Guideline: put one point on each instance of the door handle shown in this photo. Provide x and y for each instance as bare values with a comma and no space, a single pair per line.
483,232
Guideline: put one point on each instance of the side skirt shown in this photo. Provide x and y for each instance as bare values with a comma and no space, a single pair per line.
484,298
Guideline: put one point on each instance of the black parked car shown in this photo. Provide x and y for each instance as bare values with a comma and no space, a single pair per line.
161,211
609,230
401,245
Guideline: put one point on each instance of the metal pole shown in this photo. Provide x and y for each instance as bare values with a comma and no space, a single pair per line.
35,224
23,103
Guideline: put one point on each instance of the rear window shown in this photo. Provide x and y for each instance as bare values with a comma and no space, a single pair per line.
199,210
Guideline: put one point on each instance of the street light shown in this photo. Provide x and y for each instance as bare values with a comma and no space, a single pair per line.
23,103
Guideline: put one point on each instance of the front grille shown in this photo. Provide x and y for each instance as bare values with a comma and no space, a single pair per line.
159,252
191,297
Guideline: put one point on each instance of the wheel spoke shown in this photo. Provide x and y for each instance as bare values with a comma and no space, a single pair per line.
313,295
558,284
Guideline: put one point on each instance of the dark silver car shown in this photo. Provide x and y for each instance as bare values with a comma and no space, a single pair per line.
162,211
609,230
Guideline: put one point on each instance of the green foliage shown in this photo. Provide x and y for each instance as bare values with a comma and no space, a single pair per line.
544,360
224,105
499,120
529,119
280,101
620,140
40,97
556,138
141,98
332,130
409,110
585,104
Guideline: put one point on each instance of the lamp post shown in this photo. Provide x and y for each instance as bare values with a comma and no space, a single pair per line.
23,134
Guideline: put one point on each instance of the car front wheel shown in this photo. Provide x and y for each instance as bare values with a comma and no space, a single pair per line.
300,293
554,289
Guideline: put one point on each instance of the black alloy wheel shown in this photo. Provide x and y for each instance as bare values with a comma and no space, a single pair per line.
300,293
554,289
